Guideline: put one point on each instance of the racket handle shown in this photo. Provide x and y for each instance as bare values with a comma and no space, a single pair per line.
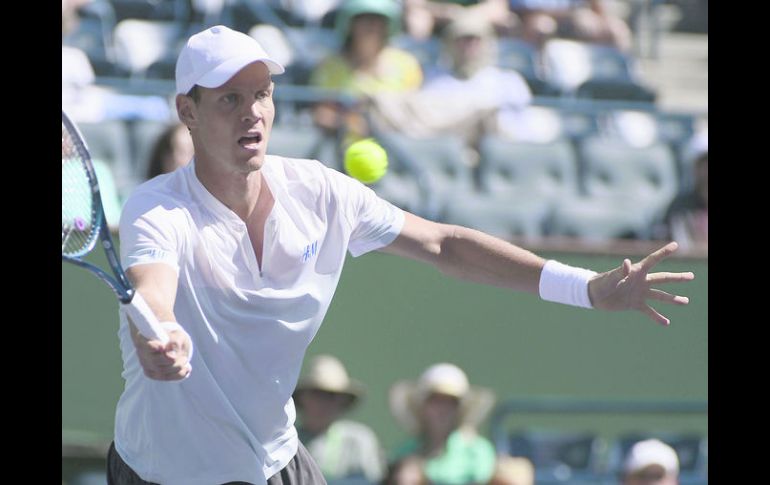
145,320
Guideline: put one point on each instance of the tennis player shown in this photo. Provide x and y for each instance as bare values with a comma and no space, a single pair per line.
239,253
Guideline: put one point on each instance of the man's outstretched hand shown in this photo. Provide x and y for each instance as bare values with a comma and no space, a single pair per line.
630,286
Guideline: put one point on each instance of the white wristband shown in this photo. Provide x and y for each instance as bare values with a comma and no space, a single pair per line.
168,327
561,283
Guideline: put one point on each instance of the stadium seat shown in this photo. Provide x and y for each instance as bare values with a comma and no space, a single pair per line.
310,46
644,176
109,141
501,216
440,161
523,58
536,124
167,10
141,43
299,141
93,36
580,122
275,42
598,219
402,189
524,170
592,71
144,135
675,128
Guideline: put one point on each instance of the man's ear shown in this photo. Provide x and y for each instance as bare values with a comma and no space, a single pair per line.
185,109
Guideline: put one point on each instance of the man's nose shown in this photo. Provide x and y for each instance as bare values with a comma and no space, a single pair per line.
252,112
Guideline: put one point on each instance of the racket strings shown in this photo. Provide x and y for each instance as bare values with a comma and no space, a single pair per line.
78,212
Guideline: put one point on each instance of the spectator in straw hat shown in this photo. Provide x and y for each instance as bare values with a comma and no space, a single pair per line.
651,462
442,411
342,448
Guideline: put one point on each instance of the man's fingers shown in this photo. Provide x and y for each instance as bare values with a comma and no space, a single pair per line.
626,267
663,277
654,315
175,374
667,297
659,255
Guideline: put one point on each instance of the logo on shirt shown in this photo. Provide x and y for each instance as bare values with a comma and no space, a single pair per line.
310,251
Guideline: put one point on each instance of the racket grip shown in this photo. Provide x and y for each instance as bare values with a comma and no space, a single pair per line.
145,320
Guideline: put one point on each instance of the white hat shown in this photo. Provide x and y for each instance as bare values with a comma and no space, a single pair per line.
406,397
648,453
210,58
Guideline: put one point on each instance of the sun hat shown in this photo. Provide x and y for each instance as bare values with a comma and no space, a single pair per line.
326,373
406,397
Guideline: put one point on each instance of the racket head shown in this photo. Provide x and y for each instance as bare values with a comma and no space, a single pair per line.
82,213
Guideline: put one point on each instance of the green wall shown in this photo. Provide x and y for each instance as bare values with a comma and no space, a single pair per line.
391,318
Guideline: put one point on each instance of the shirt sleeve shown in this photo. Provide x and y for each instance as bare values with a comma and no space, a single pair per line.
147,232
374,221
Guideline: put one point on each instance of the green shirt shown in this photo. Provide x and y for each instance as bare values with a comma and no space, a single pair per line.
467,458
346,449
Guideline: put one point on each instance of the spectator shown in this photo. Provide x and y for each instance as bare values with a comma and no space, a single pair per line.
485,98
441,410
687,216
584,20
366,64
470,49
651,462
426,18
172,150
342,448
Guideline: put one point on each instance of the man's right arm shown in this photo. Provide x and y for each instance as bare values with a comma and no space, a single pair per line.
157,283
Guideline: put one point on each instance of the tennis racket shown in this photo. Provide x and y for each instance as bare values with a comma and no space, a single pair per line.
83,223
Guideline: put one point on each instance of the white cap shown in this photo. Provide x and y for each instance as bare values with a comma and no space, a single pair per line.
651,452
210,58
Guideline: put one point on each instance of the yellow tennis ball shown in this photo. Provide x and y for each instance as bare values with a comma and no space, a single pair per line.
366,161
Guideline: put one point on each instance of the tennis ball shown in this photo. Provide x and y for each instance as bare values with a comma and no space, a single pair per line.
366,161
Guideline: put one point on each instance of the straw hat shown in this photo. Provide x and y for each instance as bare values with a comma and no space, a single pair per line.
406,397
326,373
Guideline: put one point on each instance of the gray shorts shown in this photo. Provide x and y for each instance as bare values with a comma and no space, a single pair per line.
301,470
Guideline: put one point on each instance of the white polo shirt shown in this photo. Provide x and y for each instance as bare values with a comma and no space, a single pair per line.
233,418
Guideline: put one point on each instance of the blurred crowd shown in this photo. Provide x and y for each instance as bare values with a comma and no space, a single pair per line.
440,413
524,118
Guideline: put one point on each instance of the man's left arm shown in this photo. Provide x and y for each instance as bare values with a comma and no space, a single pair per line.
474,256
